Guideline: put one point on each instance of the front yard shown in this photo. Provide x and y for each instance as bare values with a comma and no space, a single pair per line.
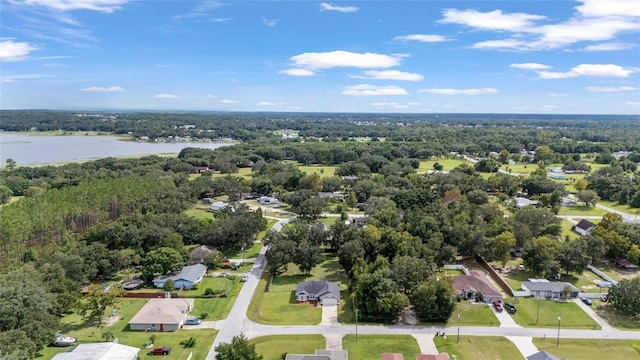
590,349
478,314
73,325
369,347
272,347
547,317
277,306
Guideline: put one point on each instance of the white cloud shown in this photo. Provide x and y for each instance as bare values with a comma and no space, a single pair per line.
609,8
103,89
11,51
297,72
105,6
557,94
331,7
506,44
481,91
269,103
373,90
339,58
422,38
228,101
209,96
589,70
166,96
269,22
389,75
17,78
612,46
631,103
610,88
492,20
530,66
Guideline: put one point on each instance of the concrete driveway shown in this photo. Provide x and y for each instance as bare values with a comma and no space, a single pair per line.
329,315
588,309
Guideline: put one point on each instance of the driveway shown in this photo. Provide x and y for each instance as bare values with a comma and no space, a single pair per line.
329,315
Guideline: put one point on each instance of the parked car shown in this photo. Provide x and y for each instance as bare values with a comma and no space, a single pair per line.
192,321
604,298
586,301
245,277
498,306
511,309
132,284
160,350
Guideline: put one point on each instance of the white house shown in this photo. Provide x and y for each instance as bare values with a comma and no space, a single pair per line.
324,293
524,202
185,279
99,351
266,200
584,227
217,206
162,315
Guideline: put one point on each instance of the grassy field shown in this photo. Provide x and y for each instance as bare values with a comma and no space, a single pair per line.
473,314
623,208
272,347
567,230
448,164
73,325
200,211
323,171
277,305
571,315
590,349
478,347
605,311
369,347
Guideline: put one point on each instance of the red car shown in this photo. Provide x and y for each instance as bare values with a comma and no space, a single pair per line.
160,350
498,306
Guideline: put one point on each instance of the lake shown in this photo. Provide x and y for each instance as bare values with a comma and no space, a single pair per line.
37,150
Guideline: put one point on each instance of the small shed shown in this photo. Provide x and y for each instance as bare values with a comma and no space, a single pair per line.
584,227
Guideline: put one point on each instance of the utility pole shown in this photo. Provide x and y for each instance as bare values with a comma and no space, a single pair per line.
558,339
458,338
356,325
538,313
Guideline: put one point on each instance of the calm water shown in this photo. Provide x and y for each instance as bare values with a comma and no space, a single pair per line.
28,149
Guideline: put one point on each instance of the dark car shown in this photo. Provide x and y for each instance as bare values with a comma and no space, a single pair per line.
160,350
498,306
586,301
193,321
511,309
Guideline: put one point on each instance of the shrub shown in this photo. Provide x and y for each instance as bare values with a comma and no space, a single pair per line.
203,315
189,343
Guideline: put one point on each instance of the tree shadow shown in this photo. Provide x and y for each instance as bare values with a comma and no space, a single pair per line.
290,279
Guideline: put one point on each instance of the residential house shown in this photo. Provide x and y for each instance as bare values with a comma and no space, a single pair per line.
199,169
476,286
441,356
542,288
162,315
524,202
99,351
321,354
323,292
217,206
185,279
361,221
331,195
542,355
584,227
200,253
267,200
627,265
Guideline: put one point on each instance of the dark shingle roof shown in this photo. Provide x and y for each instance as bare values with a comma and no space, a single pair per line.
318,288
585,224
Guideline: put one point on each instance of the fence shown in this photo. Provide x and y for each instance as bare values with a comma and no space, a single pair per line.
457,267
495,276
601,274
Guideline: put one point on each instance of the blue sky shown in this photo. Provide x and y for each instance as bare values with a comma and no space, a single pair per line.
564,57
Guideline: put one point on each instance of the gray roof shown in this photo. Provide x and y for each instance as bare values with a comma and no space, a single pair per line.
100,351
542,355
191,273
321,354
553,286
319,288
522,202
585,224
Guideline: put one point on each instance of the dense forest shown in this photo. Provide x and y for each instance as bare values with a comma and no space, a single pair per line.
82,223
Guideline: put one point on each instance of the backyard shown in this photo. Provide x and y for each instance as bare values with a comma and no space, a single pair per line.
478,347
369,347
272,347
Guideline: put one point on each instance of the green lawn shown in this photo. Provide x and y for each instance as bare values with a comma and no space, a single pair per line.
73,325
369,347
590,349
478,347
277,306
473,314
323,171
242,173
272,347
448,164
571,315
624,208
581,210
200,212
